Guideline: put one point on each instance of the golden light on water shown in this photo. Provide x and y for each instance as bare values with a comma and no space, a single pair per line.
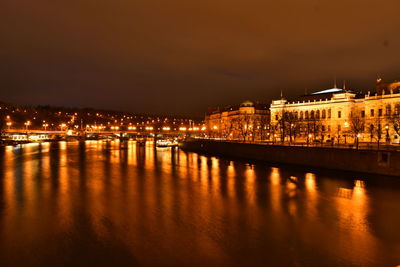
144,194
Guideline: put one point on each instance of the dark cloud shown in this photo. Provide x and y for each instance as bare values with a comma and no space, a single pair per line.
182,56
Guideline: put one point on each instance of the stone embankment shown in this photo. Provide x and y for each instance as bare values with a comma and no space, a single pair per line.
382,162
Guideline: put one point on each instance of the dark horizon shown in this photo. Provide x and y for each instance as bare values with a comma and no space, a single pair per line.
182,57
72,108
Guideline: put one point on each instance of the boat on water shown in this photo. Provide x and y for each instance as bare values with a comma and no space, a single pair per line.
166,143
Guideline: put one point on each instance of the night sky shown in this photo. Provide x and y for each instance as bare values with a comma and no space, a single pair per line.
172,56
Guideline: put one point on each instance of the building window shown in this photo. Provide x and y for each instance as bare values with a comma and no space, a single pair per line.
339,114
339,128
306,114
323,128
372,112
329,113
397,109
276,117
388,110
317,114
323,114
312,114
380,112
363,114
301,115
329,128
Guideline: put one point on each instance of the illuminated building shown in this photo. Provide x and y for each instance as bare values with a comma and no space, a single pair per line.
247,121
339,115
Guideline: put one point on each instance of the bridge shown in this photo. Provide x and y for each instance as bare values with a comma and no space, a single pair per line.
42,134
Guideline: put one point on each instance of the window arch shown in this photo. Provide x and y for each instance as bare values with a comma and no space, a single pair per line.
317,114
323,114
312,114
301,115
306,114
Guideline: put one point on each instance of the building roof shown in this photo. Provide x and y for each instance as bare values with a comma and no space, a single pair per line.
247,103
329,91
257,106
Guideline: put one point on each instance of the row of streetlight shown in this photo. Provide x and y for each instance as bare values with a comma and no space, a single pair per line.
101,127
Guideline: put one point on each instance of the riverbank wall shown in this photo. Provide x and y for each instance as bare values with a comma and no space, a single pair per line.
365,161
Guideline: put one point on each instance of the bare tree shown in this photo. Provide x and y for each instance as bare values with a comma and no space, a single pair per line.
272,131
292,126
356,125
313,129
395,122
243,126
375,130
371,131
283,123
261,127
226,128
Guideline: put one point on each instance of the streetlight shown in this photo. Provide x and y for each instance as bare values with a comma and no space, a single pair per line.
27,124
45,125
387,133
9,124
346,125
358,137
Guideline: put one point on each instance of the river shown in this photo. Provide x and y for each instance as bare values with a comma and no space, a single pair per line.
94,204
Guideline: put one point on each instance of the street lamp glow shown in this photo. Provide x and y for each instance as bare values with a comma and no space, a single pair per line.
62,125
27,124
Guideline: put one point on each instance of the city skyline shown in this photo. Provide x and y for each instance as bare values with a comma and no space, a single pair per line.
199,133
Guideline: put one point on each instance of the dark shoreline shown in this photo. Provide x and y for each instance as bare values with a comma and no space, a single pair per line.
360,161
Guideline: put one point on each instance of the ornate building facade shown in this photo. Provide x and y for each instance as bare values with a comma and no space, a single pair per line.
247,122
341,116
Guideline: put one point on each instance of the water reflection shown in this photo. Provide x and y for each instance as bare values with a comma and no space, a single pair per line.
97,202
